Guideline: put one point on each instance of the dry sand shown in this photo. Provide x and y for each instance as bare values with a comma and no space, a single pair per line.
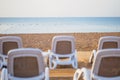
85,43
67,72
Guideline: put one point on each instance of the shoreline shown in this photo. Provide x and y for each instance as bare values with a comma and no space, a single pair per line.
84,41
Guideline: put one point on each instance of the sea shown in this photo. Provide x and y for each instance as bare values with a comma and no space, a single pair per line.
25,25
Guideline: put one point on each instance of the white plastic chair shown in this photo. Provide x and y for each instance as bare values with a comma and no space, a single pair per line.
106,42
25,64
7,43
105,67
63,52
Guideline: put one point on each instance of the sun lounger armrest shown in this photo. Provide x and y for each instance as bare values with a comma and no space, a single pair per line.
49,51
1,64
86,73
1,55
4,74
53,55
93,54
75,53
76,74
83,72
1,61
57,56
46,73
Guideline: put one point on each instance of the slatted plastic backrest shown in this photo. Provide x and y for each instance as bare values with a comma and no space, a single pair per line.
63,47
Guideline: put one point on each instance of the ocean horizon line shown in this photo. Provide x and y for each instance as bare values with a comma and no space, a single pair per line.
59,25
10,19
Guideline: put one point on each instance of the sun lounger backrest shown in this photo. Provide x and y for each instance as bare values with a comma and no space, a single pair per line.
25,67
9,42
25,62
63,47
111,44
110,67
63,44
108,42
8,46
107,63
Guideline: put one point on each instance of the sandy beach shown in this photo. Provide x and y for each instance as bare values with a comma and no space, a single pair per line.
85,43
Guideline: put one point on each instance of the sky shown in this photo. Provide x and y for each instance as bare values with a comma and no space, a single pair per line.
59,8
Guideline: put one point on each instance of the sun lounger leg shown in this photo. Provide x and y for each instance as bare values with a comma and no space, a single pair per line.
4,75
